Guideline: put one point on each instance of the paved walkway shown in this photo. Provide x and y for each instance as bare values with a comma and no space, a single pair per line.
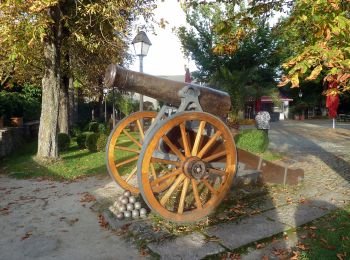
46,219
53,220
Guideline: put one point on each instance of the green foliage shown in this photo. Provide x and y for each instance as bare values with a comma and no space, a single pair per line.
252,140
63,141
73,164
249,71
101,142
91,141
314,36
93,127
25,102
102,128
329,237
75,130
81,138
126,104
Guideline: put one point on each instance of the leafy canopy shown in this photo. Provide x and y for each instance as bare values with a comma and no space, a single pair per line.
318,33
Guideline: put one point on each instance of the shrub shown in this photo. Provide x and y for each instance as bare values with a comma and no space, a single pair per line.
101,142
81,138
101,128
93,127
91,141
252,140
63,141
75,130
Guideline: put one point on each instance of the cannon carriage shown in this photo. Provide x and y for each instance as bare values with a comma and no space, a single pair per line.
183,159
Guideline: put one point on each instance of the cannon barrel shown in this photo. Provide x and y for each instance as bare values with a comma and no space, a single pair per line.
211,100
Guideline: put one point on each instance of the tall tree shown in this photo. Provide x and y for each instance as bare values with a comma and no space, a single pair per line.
320,31
248,71
51,23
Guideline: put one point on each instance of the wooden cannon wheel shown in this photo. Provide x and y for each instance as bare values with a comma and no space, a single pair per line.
198,185
123,148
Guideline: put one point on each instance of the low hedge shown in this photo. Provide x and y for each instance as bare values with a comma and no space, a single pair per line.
101,142
93,127
81,138
252,140
91,141
63,141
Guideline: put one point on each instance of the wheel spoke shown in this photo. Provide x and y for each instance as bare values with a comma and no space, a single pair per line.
217,171
127,161
211,188
132,173
126,149
183,196
165,161
132,138
173,148
165,177
196,195
185,140
214,156
139,126
170,191
209,144
153,172
198,138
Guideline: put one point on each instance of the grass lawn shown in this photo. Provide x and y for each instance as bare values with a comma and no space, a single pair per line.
327,237
73,163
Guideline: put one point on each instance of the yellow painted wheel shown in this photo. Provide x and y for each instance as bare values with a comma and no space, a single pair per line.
124,146
202,166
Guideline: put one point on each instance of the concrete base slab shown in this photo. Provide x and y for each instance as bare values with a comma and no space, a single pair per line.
233,235
193,246
295,215
39,246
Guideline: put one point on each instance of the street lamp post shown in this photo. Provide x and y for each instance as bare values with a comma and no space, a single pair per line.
141,45
105,92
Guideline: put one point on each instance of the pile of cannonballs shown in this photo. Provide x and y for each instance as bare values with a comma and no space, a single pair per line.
128,207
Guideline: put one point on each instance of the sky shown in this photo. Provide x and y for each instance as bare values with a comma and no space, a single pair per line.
165,56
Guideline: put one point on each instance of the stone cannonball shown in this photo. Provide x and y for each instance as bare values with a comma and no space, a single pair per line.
122,208
132,199
127,193
125,200
143,212
135,214
127,214
120,216
137,205
130,206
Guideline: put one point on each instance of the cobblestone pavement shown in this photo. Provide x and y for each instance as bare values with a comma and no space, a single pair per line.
29,217
254,213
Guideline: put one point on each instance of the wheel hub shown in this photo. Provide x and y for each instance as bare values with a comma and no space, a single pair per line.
194,168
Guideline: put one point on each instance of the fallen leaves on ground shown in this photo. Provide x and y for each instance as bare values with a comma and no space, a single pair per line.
295,255
88,197
260,245
27,235
341,256
230,255
212,238
143,252
302,246
102,221
281,253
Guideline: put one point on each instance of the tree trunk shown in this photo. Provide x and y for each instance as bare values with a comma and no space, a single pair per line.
72,117
47,144
63,117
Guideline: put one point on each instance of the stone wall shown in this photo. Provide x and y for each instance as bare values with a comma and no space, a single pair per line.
11,138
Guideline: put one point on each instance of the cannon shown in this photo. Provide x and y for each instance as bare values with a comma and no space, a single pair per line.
183,159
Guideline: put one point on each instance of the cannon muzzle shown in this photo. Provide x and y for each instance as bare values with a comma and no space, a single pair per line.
211,100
